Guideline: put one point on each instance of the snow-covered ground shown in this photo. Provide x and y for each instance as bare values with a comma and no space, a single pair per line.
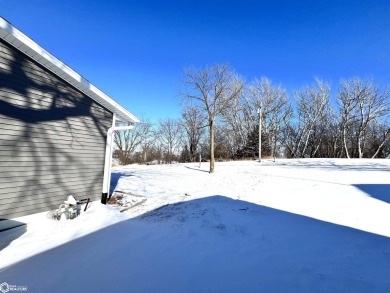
290,226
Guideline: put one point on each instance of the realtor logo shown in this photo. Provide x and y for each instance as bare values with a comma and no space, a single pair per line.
5,287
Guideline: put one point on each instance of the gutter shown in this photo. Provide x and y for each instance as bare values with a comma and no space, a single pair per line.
108,159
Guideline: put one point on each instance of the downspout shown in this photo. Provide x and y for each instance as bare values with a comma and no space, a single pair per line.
108,159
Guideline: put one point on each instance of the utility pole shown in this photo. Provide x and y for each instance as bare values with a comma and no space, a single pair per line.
259,111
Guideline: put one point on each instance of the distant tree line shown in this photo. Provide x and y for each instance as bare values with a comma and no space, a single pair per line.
220,121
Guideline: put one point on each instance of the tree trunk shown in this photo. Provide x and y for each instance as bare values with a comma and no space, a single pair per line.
306,143
144,157
274,150
382,144
345,143
212,160
169,154
316,150
360,148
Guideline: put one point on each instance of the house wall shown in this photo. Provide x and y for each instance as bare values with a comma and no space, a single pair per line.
52,138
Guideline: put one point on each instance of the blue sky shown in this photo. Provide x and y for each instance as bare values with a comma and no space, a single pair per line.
136,51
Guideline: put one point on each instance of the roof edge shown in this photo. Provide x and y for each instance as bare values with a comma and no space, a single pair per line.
26,45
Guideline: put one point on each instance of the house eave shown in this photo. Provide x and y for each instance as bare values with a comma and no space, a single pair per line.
26,45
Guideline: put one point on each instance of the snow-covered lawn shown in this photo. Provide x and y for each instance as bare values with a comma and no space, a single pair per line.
289,226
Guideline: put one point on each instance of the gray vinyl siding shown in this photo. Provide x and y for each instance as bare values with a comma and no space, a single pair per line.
52,138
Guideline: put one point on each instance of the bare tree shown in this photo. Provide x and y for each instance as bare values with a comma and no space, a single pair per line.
238,120
312,105
325,140
126,142
148,137
361,104
140,138
169,134
193,121
380,137
276,109
212,90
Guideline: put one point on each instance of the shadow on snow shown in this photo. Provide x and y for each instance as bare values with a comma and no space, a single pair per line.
196,169
10,230
115,176
378,191
214,244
